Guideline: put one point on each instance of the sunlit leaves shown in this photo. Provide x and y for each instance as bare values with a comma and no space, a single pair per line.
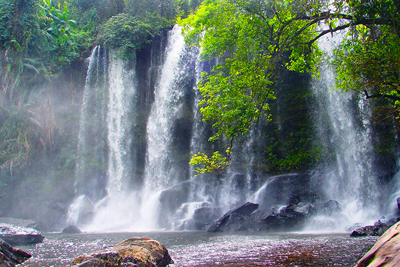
251,39
216,163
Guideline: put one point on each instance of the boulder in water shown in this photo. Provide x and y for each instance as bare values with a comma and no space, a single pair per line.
371,230
15,235
238,219
72,229
10,256
140,252
385,252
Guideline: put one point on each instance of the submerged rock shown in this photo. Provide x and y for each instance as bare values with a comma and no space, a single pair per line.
371,230
10,256
385,252
140,252
15,235
238,219
72,229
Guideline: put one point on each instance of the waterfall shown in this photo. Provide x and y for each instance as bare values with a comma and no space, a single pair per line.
343,128
89,175
83,128
163,112
140,123
119,123
117,209
165,127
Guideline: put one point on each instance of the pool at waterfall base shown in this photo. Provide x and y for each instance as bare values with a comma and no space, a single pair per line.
201,248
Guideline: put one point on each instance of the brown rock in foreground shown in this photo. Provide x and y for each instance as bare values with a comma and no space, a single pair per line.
141,252
385,252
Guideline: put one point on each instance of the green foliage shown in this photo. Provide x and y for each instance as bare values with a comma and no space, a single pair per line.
259,37
62,36
368,62
251,47
165,9
91,13
126,33
16,140
40,38
216,163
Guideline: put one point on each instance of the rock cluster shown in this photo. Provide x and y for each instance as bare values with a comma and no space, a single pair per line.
201,210
248,218
139,252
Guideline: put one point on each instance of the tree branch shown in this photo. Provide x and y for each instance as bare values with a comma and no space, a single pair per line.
379,95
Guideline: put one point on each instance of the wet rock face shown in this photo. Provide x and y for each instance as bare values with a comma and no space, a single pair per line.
285,189
15,235
140,252
10,256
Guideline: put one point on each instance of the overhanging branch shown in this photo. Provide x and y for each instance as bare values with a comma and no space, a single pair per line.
379,95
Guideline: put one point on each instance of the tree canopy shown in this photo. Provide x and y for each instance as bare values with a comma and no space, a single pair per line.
253,40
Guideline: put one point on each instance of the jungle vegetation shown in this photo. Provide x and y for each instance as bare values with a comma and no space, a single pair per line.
259,39
254,40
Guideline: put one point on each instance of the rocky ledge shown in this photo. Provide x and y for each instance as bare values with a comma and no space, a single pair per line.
16,236
248,218
10,257
139,252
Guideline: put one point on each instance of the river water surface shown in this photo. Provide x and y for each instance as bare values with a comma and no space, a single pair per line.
210,249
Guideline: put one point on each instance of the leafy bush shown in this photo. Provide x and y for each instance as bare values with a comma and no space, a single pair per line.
128,34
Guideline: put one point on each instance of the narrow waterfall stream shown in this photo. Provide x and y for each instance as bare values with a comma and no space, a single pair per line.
90,179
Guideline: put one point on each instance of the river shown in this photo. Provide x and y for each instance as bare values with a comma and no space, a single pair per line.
210,249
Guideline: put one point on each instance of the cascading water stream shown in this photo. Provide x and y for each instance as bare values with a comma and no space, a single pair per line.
90,150
343,128
121,94
158,171
162,114
83,127
116,210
